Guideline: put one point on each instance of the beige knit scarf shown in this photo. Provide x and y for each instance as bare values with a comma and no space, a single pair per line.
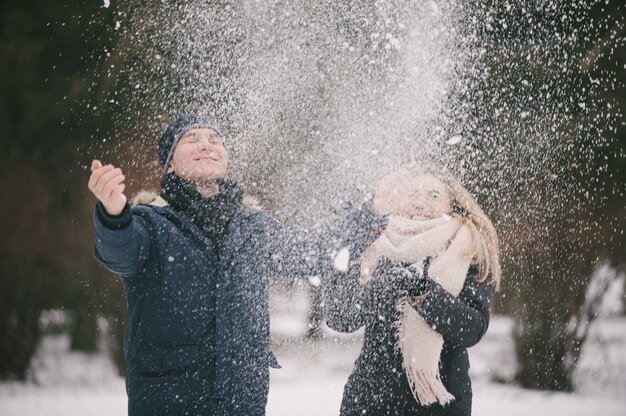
450,244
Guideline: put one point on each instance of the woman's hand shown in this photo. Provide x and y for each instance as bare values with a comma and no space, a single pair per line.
412,280
390,191
107,184
386,287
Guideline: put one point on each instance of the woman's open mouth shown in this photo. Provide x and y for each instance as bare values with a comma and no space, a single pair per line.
421,217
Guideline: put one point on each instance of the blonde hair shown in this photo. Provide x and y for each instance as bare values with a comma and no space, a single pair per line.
465,208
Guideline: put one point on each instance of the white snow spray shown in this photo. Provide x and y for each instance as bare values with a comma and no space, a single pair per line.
319,100
523,101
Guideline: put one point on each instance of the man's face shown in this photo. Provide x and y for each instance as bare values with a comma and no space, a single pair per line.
199,156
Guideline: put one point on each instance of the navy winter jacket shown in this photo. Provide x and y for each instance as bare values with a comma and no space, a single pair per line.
177,363
378,384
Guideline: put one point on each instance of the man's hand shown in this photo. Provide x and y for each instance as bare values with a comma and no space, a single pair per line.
107,184
390,192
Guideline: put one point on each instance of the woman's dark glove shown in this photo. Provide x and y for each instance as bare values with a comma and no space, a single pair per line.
413,279
387,287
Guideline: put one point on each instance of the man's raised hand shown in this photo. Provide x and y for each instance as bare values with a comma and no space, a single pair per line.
390,192
107,184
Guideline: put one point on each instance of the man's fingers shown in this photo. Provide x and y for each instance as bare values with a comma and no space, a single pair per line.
118,190
102,189
106,177
94,180
114,191
111,185
103,170
113,182
95,165
102,179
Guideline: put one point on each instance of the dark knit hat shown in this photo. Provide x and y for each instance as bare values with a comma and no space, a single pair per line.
176,129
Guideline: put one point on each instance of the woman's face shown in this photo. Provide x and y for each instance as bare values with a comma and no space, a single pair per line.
424,198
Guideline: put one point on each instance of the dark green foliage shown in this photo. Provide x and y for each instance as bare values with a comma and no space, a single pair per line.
20,336
52,82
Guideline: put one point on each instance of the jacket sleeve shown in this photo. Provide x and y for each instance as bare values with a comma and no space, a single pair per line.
122,242
343,301
461,321
301,252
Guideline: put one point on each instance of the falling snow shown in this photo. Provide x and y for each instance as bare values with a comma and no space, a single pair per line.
319,100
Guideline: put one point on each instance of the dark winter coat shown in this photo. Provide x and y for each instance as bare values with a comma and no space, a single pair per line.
378,384
177,363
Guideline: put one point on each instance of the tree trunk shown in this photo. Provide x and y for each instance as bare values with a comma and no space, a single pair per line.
20,336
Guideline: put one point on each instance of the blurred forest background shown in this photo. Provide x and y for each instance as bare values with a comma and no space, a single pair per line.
67,95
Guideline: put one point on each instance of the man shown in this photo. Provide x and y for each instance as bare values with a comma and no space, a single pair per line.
195,266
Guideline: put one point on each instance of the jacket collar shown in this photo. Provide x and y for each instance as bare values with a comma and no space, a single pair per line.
154,199
159,202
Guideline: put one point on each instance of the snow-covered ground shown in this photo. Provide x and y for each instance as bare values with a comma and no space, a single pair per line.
313,374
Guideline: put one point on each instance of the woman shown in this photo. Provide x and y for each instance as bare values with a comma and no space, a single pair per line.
423,291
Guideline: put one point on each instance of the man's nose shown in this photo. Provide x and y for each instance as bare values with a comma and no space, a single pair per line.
204,144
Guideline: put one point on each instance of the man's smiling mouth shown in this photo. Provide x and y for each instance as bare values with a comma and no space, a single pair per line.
206,158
